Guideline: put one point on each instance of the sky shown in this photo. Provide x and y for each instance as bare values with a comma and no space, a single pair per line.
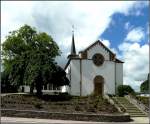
120,25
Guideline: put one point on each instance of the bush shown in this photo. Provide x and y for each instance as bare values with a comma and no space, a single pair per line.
125,90
145,87
78,108
111,95
59,97
38,105
144,100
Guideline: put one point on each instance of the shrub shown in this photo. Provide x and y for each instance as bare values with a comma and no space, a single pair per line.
111,95
125,90
143,99
59,97
78,108
91,109
38,105
145,87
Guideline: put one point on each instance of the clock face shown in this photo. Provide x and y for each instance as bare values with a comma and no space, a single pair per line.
98,59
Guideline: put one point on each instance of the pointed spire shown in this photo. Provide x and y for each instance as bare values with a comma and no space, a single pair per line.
73,49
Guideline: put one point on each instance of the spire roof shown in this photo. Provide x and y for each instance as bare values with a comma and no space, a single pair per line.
73,49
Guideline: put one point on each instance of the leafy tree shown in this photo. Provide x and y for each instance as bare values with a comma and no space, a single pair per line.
124,90
145,86
29,58
6,86
59,77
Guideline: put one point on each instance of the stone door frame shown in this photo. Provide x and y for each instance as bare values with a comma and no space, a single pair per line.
98,85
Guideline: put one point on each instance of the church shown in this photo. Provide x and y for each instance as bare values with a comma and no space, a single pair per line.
94,70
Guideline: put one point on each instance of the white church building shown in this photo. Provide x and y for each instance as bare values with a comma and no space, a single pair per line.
94,70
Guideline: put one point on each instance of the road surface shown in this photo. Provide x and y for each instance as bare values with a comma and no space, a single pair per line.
13,120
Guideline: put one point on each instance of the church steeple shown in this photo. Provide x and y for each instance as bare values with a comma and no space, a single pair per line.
73,48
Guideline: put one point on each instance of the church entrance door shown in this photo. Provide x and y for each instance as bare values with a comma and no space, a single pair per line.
98,85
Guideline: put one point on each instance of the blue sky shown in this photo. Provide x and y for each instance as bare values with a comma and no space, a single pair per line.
120,25
116,31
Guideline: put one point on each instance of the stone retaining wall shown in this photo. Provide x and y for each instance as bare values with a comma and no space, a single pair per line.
66,116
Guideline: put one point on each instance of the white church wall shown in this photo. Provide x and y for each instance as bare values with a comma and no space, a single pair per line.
98,49
68,75
111,72
68,72
26,88
89,71
87,77
119,74
75,77
67,69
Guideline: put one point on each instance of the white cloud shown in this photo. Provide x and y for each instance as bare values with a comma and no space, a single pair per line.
127,25
114,50
124,46
135,35
106,43
90,19
56,17
13,15
136,64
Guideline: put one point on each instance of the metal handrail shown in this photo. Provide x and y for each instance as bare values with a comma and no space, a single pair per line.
139,103
117,101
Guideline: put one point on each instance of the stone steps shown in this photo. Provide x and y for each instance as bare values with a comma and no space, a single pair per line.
130,108
137,115
138,112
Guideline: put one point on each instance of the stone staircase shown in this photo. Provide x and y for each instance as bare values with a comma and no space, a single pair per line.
130,108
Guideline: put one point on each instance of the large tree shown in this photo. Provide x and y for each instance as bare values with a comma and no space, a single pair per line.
6,86
29,58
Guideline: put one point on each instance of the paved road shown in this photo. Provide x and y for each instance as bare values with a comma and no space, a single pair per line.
12,120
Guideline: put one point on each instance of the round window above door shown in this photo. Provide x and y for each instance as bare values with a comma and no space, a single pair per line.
98,59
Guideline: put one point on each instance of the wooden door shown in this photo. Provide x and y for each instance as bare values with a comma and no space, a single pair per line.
98,85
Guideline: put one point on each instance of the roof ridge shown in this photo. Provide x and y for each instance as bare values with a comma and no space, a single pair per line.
100,42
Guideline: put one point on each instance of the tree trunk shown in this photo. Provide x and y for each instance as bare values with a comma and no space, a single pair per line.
39,85
38,89
31,88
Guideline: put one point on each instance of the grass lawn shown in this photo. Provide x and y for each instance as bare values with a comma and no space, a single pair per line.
57,103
